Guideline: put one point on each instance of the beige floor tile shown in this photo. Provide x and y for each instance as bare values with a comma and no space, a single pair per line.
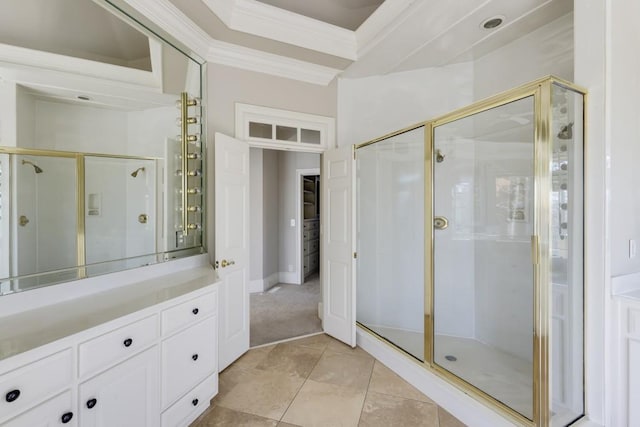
385,381
343,369
448,420
252,358
320,341
263,393
281,424
325,405
228,379
224,417
292,359
340,347
382,410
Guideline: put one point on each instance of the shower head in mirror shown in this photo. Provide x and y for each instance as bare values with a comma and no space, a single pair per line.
37,168
135,172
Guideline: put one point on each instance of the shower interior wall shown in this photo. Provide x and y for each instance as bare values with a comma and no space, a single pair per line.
49,125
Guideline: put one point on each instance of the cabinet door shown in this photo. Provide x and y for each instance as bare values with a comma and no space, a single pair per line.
52,413
126,395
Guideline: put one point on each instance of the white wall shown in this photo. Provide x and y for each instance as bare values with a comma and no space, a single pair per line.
73,127
625,136
374,106
8,113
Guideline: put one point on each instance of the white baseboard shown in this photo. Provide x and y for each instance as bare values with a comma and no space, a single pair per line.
468,410
289,277
265,284
320,310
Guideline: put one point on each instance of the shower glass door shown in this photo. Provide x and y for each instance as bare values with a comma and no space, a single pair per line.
483,292
390,239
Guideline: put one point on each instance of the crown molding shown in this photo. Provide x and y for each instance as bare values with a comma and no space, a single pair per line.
261,62
253,17
176,23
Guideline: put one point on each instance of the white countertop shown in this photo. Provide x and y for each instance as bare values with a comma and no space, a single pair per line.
31,329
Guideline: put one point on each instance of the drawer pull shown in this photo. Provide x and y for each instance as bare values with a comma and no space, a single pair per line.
194,357
91,403
194,402
195,311
127,342
13,395
66,417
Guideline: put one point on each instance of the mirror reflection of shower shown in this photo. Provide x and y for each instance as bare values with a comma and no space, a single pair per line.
135,172
37,168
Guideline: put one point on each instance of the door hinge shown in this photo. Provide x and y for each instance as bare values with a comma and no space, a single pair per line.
355,255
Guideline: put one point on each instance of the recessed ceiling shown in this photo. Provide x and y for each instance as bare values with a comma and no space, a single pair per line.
349,14
77,28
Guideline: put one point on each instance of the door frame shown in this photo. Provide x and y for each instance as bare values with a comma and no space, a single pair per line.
300,173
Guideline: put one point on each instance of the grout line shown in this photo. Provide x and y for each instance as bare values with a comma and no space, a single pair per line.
304,382
286,340
366,393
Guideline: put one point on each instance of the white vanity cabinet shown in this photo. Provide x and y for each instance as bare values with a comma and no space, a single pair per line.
146,358
628,366
125,395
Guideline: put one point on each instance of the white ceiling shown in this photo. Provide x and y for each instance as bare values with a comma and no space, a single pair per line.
400,35
78,28
349,14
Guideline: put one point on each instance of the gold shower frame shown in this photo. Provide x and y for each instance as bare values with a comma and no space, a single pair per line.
80,195
540,90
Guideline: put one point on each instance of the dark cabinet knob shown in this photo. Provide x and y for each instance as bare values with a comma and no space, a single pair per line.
194,357
66,417
195,311
91,403
13,395
195,402
128,342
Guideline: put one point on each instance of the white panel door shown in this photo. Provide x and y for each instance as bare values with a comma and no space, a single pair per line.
338,286
232,246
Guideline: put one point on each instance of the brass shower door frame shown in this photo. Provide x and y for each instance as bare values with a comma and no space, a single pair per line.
80,194
540,90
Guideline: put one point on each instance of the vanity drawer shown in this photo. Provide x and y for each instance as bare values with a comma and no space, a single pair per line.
306,248
35,382
187,358
49,413
189,312
191,405
108,349
306,234
315,233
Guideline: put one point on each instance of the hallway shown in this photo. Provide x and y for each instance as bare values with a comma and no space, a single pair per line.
318,381
285,311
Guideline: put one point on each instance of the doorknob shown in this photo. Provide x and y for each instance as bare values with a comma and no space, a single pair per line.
224,263
440,223
23,220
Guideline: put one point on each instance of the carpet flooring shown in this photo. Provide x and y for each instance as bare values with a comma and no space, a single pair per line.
291,311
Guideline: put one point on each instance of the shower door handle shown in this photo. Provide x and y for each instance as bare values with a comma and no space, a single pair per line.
440,223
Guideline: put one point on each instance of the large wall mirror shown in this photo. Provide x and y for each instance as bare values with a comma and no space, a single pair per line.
100,154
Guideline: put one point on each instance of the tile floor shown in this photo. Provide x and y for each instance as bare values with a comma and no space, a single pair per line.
318,381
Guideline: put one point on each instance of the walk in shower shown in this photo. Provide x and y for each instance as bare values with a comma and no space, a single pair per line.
470,249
